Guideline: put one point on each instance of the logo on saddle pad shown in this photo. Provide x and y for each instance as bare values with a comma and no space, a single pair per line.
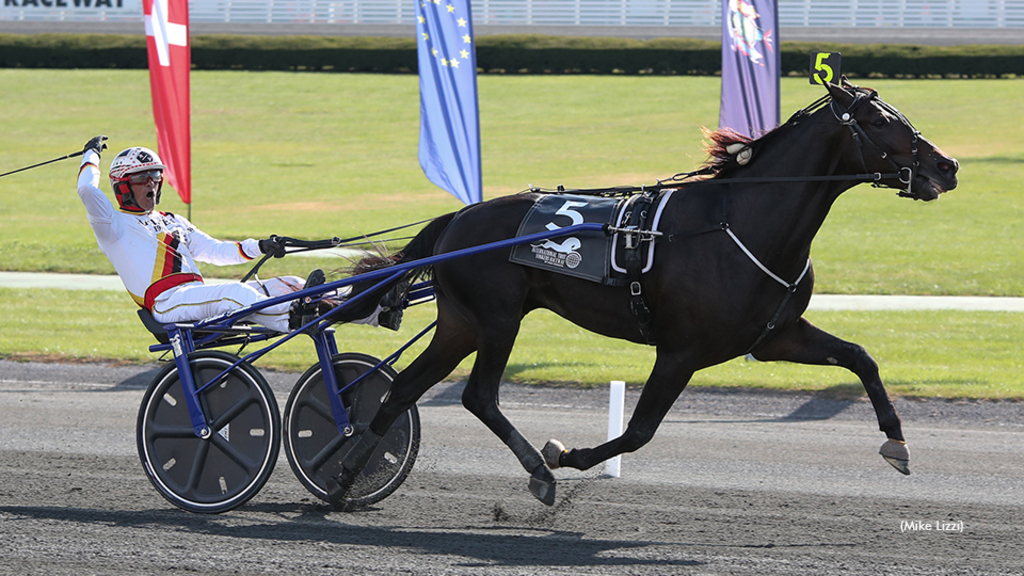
564,254
582,255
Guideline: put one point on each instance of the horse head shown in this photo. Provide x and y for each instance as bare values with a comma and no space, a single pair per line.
889,143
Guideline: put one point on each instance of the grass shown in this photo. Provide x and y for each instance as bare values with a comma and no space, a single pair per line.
921,353
321,155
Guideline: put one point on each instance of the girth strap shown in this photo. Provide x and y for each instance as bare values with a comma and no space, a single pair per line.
638,218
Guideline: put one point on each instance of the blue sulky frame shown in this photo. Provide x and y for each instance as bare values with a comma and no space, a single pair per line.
182,341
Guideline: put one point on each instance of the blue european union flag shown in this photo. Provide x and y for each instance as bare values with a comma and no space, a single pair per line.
449,119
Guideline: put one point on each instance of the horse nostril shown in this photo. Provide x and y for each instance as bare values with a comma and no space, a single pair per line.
949,168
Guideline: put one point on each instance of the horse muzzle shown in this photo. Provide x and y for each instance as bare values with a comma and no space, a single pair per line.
933,178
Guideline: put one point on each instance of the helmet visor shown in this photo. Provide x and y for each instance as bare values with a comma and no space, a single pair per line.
144,177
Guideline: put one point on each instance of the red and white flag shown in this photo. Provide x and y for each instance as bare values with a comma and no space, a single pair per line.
170,60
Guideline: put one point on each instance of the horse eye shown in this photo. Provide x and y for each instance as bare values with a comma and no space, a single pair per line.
879,123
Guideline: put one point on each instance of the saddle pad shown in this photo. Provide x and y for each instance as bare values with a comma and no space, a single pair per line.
584,255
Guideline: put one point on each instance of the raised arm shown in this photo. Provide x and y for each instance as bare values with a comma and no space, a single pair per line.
97,205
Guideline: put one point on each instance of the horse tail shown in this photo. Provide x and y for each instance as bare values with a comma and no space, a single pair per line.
421,246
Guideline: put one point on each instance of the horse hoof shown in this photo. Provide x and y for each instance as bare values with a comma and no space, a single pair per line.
337,489
898,464
542,485
895,452
335,495
551,451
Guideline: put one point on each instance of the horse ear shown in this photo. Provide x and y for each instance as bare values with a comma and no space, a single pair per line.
840,95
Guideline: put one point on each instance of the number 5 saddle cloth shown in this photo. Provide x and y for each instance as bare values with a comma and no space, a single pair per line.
598,256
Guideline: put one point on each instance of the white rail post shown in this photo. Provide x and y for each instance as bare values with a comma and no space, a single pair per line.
616,406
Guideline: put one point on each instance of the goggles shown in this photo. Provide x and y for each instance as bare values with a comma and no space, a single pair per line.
144,177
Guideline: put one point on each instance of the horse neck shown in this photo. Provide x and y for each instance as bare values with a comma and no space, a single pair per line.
783,219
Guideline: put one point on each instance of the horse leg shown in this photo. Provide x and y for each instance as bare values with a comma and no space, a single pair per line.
480,397
804,343
451,343
669,377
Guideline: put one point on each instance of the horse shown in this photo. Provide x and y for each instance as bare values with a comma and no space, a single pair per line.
732,277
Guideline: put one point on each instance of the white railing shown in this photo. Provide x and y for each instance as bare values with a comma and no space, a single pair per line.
792,13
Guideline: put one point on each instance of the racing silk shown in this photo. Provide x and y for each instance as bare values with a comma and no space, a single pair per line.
156,251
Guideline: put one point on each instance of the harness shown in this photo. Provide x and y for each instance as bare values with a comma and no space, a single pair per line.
637,229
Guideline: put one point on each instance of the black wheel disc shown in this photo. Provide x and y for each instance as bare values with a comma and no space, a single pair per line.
315,447
229,467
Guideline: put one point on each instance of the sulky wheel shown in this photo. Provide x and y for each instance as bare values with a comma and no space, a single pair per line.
223,471
314,446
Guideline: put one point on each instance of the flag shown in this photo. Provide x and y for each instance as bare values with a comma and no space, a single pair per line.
449,119
750,66
170,59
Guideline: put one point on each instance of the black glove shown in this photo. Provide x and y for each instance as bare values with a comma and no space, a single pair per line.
273,246
98,143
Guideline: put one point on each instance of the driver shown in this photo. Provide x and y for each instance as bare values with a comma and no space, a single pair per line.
154,252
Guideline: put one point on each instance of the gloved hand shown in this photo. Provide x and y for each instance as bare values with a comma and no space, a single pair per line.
273,246
98,143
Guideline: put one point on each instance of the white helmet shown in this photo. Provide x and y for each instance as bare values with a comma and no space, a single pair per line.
133,161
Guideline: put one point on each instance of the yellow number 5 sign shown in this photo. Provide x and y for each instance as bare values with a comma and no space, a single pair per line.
825,67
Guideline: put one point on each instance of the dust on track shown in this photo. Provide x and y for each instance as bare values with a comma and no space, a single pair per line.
74,499
89,514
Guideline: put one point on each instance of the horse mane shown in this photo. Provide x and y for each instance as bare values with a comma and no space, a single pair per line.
717,144
724,148
721,162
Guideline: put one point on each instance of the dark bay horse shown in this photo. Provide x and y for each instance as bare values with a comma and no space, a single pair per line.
731,277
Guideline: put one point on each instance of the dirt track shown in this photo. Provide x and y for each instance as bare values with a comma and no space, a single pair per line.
734,483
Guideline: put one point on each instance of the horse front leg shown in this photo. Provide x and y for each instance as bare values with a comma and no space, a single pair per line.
667,380
804,343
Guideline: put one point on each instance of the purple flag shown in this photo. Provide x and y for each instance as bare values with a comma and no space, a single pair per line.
750,66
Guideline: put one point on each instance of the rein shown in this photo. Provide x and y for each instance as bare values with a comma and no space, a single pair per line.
678,181
310,245
904,174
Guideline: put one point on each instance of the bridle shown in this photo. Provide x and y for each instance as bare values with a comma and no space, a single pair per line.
845,116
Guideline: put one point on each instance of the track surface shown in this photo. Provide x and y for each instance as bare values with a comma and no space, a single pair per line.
734,483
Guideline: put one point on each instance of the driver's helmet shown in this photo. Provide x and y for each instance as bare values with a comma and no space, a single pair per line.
137,162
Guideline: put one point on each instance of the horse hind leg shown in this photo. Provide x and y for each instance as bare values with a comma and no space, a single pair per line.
451,343
804,343
480,397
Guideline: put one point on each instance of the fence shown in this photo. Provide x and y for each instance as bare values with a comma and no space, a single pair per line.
792,13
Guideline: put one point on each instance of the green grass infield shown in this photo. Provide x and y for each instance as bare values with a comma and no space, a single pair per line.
921,353
320,155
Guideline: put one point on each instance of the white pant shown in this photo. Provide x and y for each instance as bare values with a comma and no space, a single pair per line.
193,302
